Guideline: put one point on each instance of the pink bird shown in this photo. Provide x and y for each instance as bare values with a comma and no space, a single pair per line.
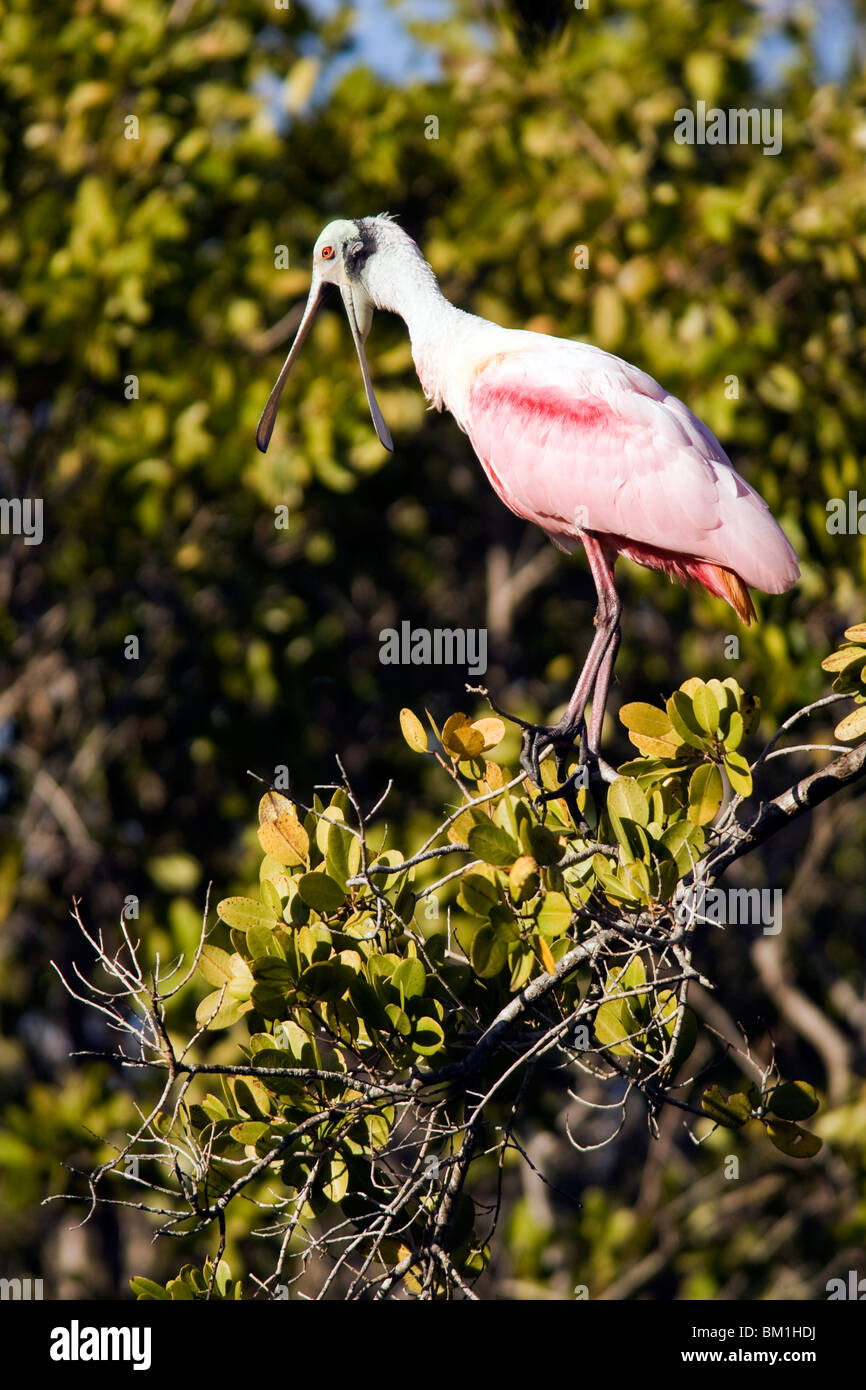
581,443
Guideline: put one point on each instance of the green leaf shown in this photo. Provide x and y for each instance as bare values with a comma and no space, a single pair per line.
682,717
731,1111
705,793
646,720
664,877
223,1277
215,965
243,913
739,773
214,1108
146,1289
180,1290
427,1036
274,982
790,1139
390,858
849,678
611,882
493,844
410,978
685,841
706,708
174,873
793,1100
321,892
337,1184
631,976
271,899
780,387
249,1131
554,917
326,979
688,1035
252,1097
380,968
736,728
611,1027
378,1129
488,953
265,941
636,876
339,855
226,1015
314,942
626,800
398,1019
522,965
477,894
543,844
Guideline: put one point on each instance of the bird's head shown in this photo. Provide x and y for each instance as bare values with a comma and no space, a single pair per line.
339,256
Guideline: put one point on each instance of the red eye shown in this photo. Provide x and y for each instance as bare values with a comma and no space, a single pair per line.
327,253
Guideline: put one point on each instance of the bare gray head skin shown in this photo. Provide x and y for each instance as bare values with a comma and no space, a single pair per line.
340,256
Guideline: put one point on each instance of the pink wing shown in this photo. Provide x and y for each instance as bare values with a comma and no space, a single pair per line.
572,437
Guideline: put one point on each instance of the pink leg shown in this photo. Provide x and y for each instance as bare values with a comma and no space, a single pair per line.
596,669
606,628
599,695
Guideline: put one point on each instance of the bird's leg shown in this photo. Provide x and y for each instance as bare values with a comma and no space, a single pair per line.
599,701
564,733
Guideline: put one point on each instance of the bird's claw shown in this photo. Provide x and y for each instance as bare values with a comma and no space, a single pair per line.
536,738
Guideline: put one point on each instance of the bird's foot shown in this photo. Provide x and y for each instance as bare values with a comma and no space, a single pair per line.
535,741
563,736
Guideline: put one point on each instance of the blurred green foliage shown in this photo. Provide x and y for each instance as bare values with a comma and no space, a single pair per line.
149,252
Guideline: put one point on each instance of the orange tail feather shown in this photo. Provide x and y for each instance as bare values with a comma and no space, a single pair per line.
732,588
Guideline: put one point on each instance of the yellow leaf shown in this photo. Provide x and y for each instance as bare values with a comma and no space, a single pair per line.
523,878
274,804
458,833
656,747
494,777
460,739
546,956
857,633
837,661
285,839
492,731
413,731
853,725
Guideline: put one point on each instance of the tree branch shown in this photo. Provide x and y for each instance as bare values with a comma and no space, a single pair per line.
774,815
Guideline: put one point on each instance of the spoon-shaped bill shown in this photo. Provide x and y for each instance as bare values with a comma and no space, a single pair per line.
269,414
378,422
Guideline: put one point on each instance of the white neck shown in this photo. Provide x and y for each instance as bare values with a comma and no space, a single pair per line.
445,340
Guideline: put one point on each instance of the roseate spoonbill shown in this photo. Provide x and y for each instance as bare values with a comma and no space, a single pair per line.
578,441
